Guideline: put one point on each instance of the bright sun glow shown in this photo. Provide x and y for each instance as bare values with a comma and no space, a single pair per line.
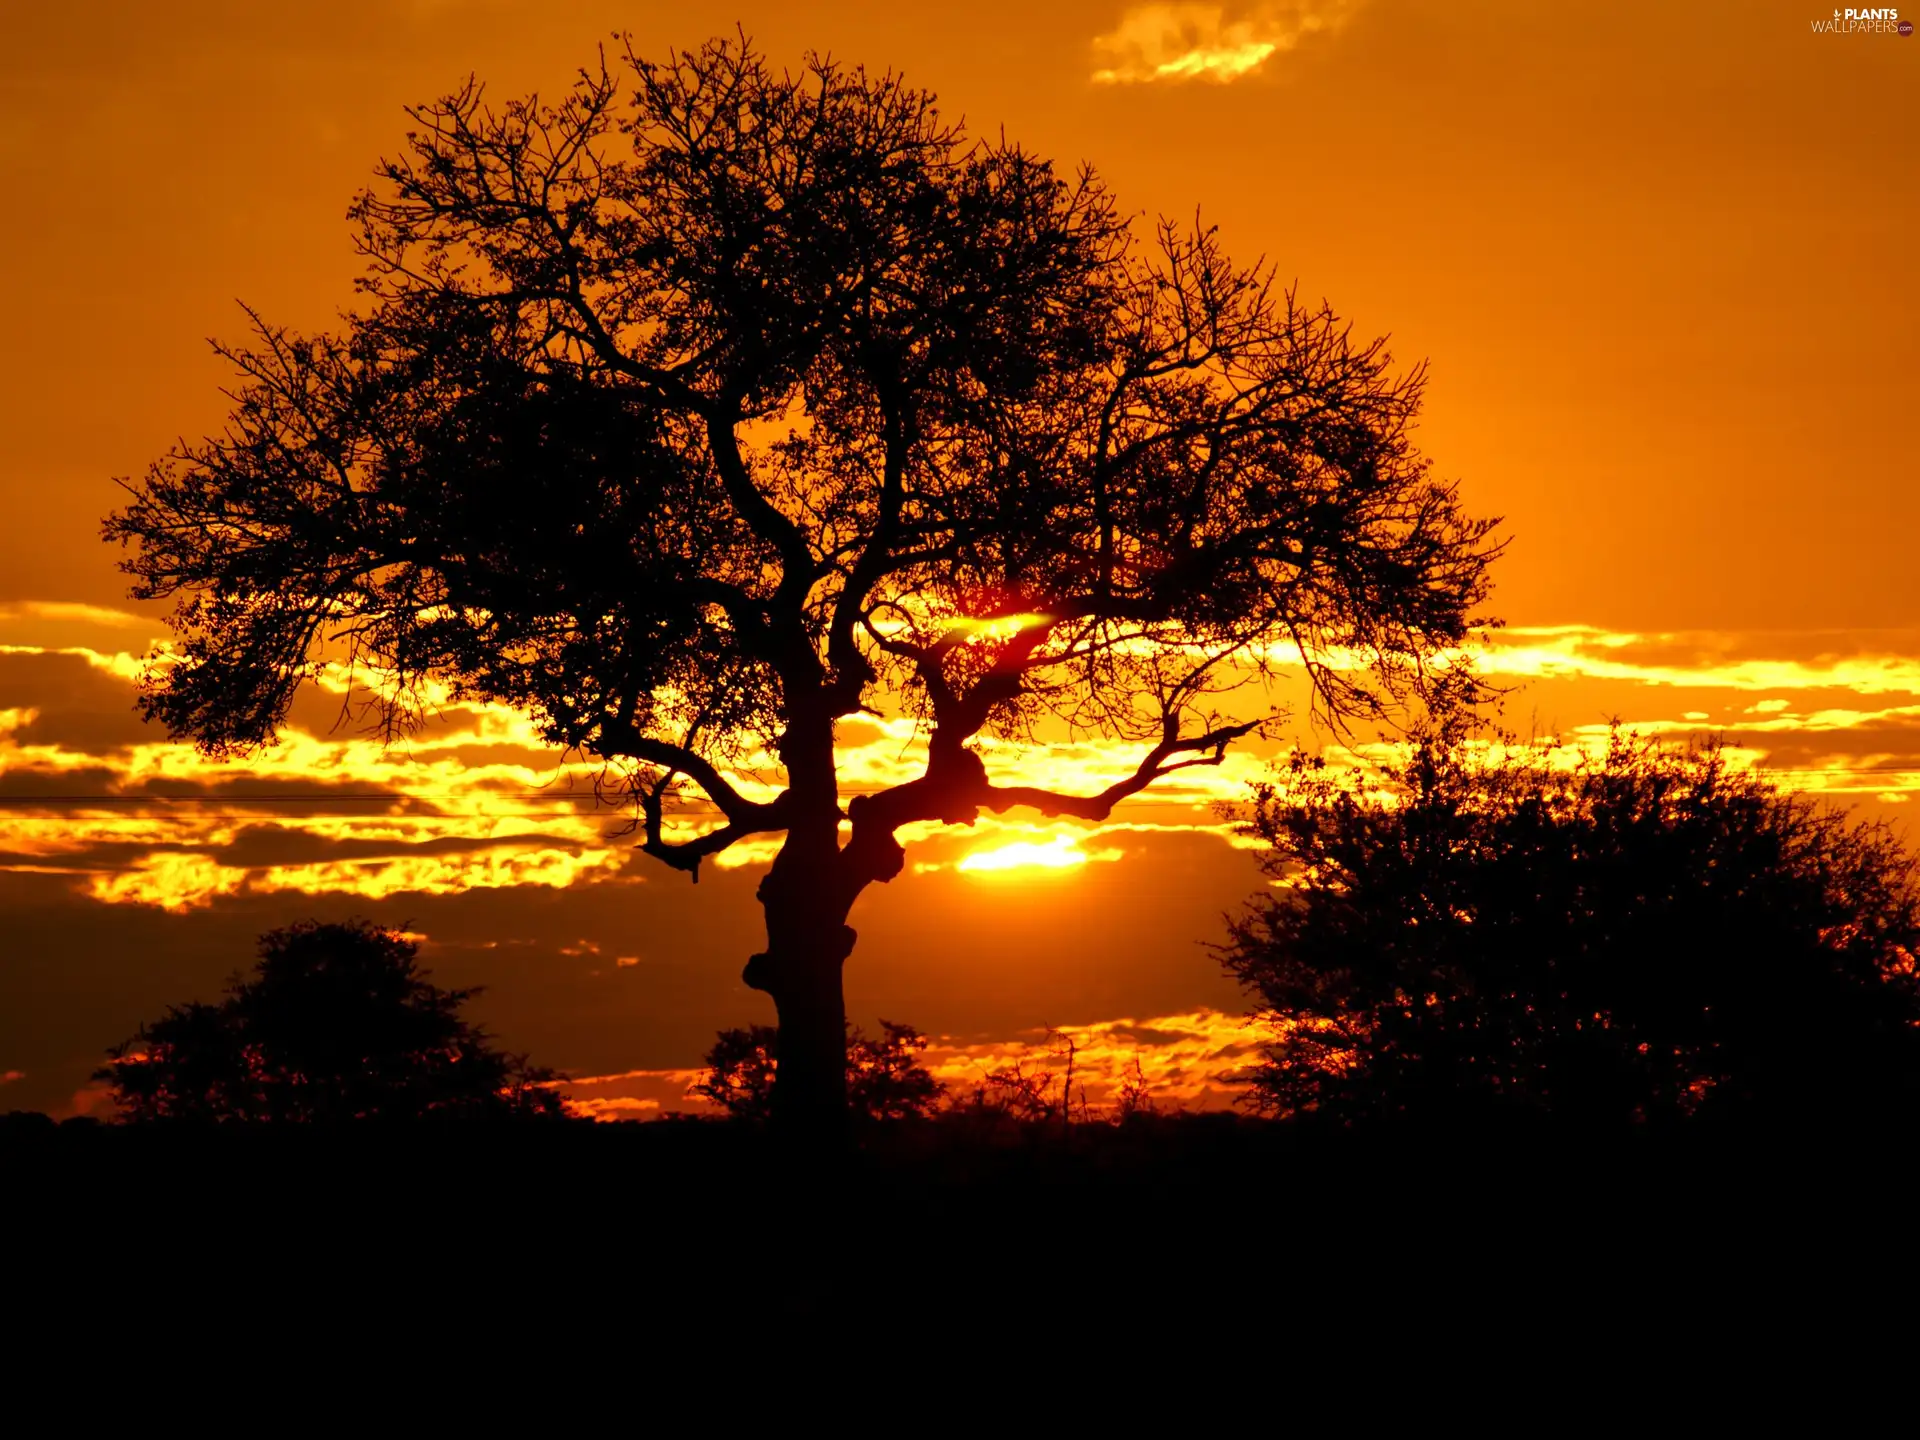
1059,853
1001,627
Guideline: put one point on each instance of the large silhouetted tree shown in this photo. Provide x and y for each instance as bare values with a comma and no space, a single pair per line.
714,405
336,1023
1647,934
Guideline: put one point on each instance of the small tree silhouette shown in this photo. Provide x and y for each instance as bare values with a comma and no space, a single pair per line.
336,1023
885,1079
1133,1100
714,406
1021,1088
1647,934
1026,1087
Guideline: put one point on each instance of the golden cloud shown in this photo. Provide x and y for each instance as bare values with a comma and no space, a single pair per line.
1192,1060
69,612
1187,41
476,800
119,663
178,882
449,814
614,1107
1692,660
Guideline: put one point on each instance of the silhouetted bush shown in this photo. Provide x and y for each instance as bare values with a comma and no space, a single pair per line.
336,1023
885,1079
1650,934
1035,1087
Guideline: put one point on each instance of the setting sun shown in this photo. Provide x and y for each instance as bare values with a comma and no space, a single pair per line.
1059,853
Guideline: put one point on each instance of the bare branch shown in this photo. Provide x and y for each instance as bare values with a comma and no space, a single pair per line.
1209,749
955,787
852,673
676,760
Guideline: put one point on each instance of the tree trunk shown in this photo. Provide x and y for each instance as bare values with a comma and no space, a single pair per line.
807,945
810,1083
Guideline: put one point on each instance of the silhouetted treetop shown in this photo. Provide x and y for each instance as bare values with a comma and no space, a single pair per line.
666,410
712,405
1646,933
336,1023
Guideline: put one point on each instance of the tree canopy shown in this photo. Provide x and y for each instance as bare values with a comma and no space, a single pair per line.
713,405
1648,934
336,1023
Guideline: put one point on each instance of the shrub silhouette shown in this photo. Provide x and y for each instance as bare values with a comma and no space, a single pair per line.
885,1079
716,406
336,1023
1649,934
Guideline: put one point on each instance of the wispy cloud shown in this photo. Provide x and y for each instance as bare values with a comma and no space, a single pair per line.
477,801
62,611
1702,660
1192,41
1193,1060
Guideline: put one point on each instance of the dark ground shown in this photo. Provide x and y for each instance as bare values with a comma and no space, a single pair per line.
1263,1246
1199,1273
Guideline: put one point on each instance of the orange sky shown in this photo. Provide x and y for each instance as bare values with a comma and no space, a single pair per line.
1653,252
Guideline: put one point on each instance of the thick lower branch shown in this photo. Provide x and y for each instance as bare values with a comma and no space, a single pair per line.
687,854
678,760
955,789
744,817
1209,750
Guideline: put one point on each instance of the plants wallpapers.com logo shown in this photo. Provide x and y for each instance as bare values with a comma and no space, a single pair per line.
1880,20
